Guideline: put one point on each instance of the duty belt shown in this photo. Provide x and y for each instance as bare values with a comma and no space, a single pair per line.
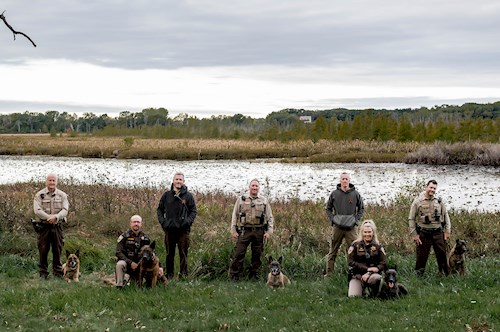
430,230
253,228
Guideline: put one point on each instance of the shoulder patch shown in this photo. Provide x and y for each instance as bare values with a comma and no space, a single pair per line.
382,250
120,238
351,249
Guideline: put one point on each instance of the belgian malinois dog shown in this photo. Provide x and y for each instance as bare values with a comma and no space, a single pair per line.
276,278
456,258
392,289
149,267
71,269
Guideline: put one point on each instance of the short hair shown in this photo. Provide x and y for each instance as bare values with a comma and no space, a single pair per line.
52,174
349,175
431,181
179,173
255,181
136,216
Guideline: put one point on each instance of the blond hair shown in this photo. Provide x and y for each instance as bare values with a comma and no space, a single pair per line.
368,223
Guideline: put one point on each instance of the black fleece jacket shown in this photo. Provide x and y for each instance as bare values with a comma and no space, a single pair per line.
176,210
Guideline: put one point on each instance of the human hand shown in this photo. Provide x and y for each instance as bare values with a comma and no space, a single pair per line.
160,272
417,240
134,265
52,219
366,276
235,235
446,236
373,269
267,236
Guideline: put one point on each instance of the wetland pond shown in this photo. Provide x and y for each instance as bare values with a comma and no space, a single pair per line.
462,186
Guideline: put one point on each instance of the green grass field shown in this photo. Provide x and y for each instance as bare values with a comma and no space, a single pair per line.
207,300
468,303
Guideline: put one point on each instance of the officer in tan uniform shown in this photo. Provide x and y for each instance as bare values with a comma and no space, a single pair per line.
51,208
430,226
251,223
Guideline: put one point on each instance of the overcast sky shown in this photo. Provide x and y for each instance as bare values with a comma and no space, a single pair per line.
254,57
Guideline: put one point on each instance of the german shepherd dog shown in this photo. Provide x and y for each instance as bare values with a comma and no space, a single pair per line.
276,278
149,267
391,289
71,269
456,258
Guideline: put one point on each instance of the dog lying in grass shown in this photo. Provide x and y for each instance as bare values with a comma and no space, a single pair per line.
71,269
276,278
456,257
392,289
149,267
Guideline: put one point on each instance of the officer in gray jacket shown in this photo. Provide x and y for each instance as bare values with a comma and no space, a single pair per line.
344,210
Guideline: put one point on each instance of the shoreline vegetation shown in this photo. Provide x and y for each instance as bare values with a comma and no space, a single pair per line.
302,151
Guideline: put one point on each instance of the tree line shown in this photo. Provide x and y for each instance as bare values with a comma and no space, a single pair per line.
447,123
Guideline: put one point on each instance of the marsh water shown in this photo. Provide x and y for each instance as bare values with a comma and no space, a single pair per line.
463,187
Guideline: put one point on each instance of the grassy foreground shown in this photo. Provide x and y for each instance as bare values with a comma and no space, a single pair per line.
469,303
207,301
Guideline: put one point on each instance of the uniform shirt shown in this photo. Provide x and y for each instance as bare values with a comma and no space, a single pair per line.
428,213
253,208
128,246
46,203
362,256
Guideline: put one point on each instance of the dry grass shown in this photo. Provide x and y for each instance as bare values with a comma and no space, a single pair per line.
475,153
205,149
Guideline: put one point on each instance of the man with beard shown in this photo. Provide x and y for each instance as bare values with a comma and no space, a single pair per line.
176,213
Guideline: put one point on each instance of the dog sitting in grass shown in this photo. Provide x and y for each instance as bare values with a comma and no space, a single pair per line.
276,278
149,267
71,269
392,289
456,258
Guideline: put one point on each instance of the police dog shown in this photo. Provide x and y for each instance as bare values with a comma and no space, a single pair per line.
71,269
276,278
456,258
149,267
391,289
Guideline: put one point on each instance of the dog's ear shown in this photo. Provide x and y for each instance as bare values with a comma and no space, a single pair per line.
457,241
280,259
153,244
270,259
77,253
67,253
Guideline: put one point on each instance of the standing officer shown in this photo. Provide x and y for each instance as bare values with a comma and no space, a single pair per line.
430,226
176,213
251,223
127,251
51,208
344,209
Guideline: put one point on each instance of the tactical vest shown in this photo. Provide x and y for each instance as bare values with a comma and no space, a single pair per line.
52,203
252,212
429,213
134,243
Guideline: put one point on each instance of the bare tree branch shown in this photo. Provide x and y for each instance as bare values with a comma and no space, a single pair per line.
14,31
